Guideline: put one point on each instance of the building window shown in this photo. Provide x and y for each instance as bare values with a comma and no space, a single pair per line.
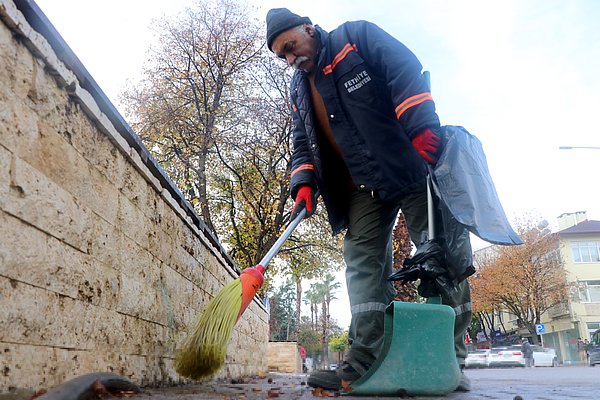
585,252
589,291
593,327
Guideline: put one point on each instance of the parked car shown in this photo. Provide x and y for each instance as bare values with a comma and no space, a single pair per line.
477,359
594,349
507,357
493,357
544,357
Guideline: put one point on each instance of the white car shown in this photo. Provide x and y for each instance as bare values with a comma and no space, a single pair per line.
507,357
477,359
494,357
544,357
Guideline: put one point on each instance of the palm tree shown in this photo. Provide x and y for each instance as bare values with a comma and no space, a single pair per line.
312,297
325,292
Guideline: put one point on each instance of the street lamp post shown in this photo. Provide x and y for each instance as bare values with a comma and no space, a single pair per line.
578,147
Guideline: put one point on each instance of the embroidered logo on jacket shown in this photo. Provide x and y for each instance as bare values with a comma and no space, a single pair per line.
361,79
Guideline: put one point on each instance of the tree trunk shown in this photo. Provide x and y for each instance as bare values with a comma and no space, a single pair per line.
298,306
502,324
324,343
532,331
202,193
489,318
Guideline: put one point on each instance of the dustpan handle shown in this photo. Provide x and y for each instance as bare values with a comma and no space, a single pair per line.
430,210
430,213
284,236
431,229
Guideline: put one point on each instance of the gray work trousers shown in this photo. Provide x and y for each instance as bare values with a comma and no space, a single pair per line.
368,256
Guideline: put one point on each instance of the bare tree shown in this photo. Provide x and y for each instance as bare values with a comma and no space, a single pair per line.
213,108
180,108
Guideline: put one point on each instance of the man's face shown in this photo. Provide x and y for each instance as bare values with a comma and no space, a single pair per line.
298,47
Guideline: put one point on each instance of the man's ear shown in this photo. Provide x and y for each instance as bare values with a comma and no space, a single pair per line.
310,30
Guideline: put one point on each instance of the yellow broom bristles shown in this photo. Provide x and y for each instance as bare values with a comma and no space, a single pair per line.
203,351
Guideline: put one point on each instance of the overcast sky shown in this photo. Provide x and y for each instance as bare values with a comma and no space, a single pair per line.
520,75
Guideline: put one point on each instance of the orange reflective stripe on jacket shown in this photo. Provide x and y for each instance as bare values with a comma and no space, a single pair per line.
302,168
412,101
339,57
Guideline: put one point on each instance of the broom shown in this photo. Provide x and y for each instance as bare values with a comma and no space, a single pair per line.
203,351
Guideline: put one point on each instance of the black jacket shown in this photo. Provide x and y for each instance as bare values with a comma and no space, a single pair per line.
376,99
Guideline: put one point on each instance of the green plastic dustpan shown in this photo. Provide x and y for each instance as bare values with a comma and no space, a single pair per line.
418,357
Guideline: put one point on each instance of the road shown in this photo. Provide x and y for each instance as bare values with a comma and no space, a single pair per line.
534,383
498,383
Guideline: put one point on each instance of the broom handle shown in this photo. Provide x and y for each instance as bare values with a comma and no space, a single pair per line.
284,236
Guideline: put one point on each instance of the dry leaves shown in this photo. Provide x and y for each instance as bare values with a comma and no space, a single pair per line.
319,392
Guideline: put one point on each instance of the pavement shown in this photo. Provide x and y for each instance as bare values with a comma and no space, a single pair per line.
510,383
573,382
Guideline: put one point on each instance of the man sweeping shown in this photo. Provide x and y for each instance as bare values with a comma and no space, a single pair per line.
364,130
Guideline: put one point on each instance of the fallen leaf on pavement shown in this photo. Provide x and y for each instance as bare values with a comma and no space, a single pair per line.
38,393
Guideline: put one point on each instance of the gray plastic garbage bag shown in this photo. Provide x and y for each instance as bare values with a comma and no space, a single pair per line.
463,183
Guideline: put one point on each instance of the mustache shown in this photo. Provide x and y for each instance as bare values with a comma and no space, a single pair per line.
298,61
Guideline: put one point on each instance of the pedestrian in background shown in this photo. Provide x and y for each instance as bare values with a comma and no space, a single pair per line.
581,350
302,352
527,353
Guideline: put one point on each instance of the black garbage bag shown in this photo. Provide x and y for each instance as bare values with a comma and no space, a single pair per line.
455,241
429,265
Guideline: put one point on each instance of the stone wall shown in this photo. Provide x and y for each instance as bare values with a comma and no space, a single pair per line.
100,268
284,357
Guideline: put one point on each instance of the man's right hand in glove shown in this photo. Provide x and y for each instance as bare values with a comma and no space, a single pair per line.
305,198
427,144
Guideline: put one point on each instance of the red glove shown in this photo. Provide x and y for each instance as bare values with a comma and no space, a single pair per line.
305,198
427,144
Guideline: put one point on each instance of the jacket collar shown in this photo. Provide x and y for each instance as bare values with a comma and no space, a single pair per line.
323,38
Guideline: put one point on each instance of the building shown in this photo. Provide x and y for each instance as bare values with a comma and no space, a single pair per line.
579,315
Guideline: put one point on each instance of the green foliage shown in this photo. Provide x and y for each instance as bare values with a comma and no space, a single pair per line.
309,338
339,342
475,327
282,319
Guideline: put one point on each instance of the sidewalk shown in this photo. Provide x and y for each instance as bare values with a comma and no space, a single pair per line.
573,382
506,384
